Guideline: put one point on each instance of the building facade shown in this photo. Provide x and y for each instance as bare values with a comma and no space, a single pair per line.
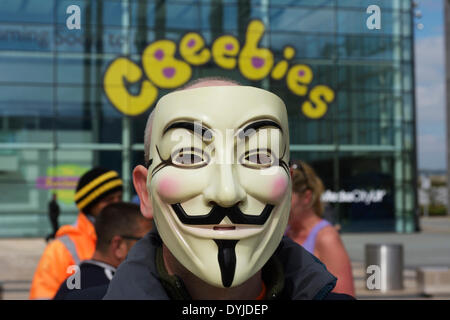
78,80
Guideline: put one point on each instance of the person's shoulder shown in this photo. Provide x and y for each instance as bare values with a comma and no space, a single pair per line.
306,277
294,257
328,236
144,248
136,278
95,268
54,247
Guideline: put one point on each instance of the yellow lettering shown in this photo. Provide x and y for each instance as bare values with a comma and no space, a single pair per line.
280,69
117,93
192,49
320,97
255,63
162,68
298,79
224,51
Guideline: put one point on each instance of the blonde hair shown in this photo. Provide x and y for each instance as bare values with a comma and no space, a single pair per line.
305,178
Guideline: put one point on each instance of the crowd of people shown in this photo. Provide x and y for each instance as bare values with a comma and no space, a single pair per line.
201,229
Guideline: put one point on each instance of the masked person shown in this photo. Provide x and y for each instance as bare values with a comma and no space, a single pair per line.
73,243
219,186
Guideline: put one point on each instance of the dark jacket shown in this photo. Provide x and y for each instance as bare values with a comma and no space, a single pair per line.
292,273
93,274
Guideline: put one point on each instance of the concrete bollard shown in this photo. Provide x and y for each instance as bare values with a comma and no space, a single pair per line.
433,280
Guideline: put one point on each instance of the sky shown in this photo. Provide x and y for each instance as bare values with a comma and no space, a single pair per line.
430,86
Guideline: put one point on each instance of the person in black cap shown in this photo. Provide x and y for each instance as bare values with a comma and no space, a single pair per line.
73,243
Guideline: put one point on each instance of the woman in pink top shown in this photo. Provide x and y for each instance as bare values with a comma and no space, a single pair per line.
315,234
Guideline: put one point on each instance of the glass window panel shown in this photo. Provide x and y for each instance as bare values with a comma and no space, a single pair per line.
83,120
312,46
305,131
76,71
359,174
408,132
112,12
143,13
300,3
30,11
302,20
24,70
31,101
72,70
321,162
407,76
408,107
365,132
22,198
383,4
367,47
364,105
230,17
370,77
181,16
138,124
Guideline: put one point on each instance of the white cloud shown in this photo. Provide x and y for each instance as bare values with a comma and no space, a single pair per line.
431,104
430,98
430,62
431,151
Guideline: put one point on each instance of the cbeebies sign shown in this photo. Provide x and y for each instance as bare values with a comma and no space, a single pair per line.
160,69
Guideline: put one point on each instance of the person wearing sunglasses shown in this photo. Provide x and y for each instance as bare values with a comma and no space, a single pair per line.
118,227
307,227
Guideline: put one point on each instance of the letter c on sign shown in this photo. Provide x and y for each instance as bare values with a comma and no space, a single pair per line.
124,69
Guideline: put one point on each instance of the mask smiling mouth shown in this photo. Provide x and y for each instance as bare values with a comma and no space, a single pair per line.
224,228
218,213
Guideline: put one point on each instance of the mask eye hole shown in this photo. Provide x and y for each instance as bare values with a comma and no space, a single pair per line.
258,158
190,158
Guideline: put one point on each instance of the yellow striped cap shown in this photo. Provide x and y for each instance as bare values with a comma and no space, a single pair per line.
94,185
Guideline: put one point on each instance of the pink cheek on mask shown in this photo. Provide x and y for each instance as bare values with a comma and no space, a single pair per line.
167,188
279,188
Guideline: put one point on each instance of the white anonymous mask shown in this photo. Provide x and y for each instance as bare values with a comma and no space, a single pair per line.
219,180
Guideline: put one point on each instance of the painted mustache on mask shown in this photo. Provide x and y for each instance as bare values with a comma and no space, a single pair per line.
226,254
218,213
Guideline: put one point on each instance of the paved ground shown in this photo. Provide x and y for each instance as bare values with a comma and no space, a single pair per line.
430,247
18,259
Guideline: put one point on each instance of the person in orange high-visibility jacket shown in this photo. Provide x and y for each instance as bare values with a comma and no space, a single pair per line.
74,243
